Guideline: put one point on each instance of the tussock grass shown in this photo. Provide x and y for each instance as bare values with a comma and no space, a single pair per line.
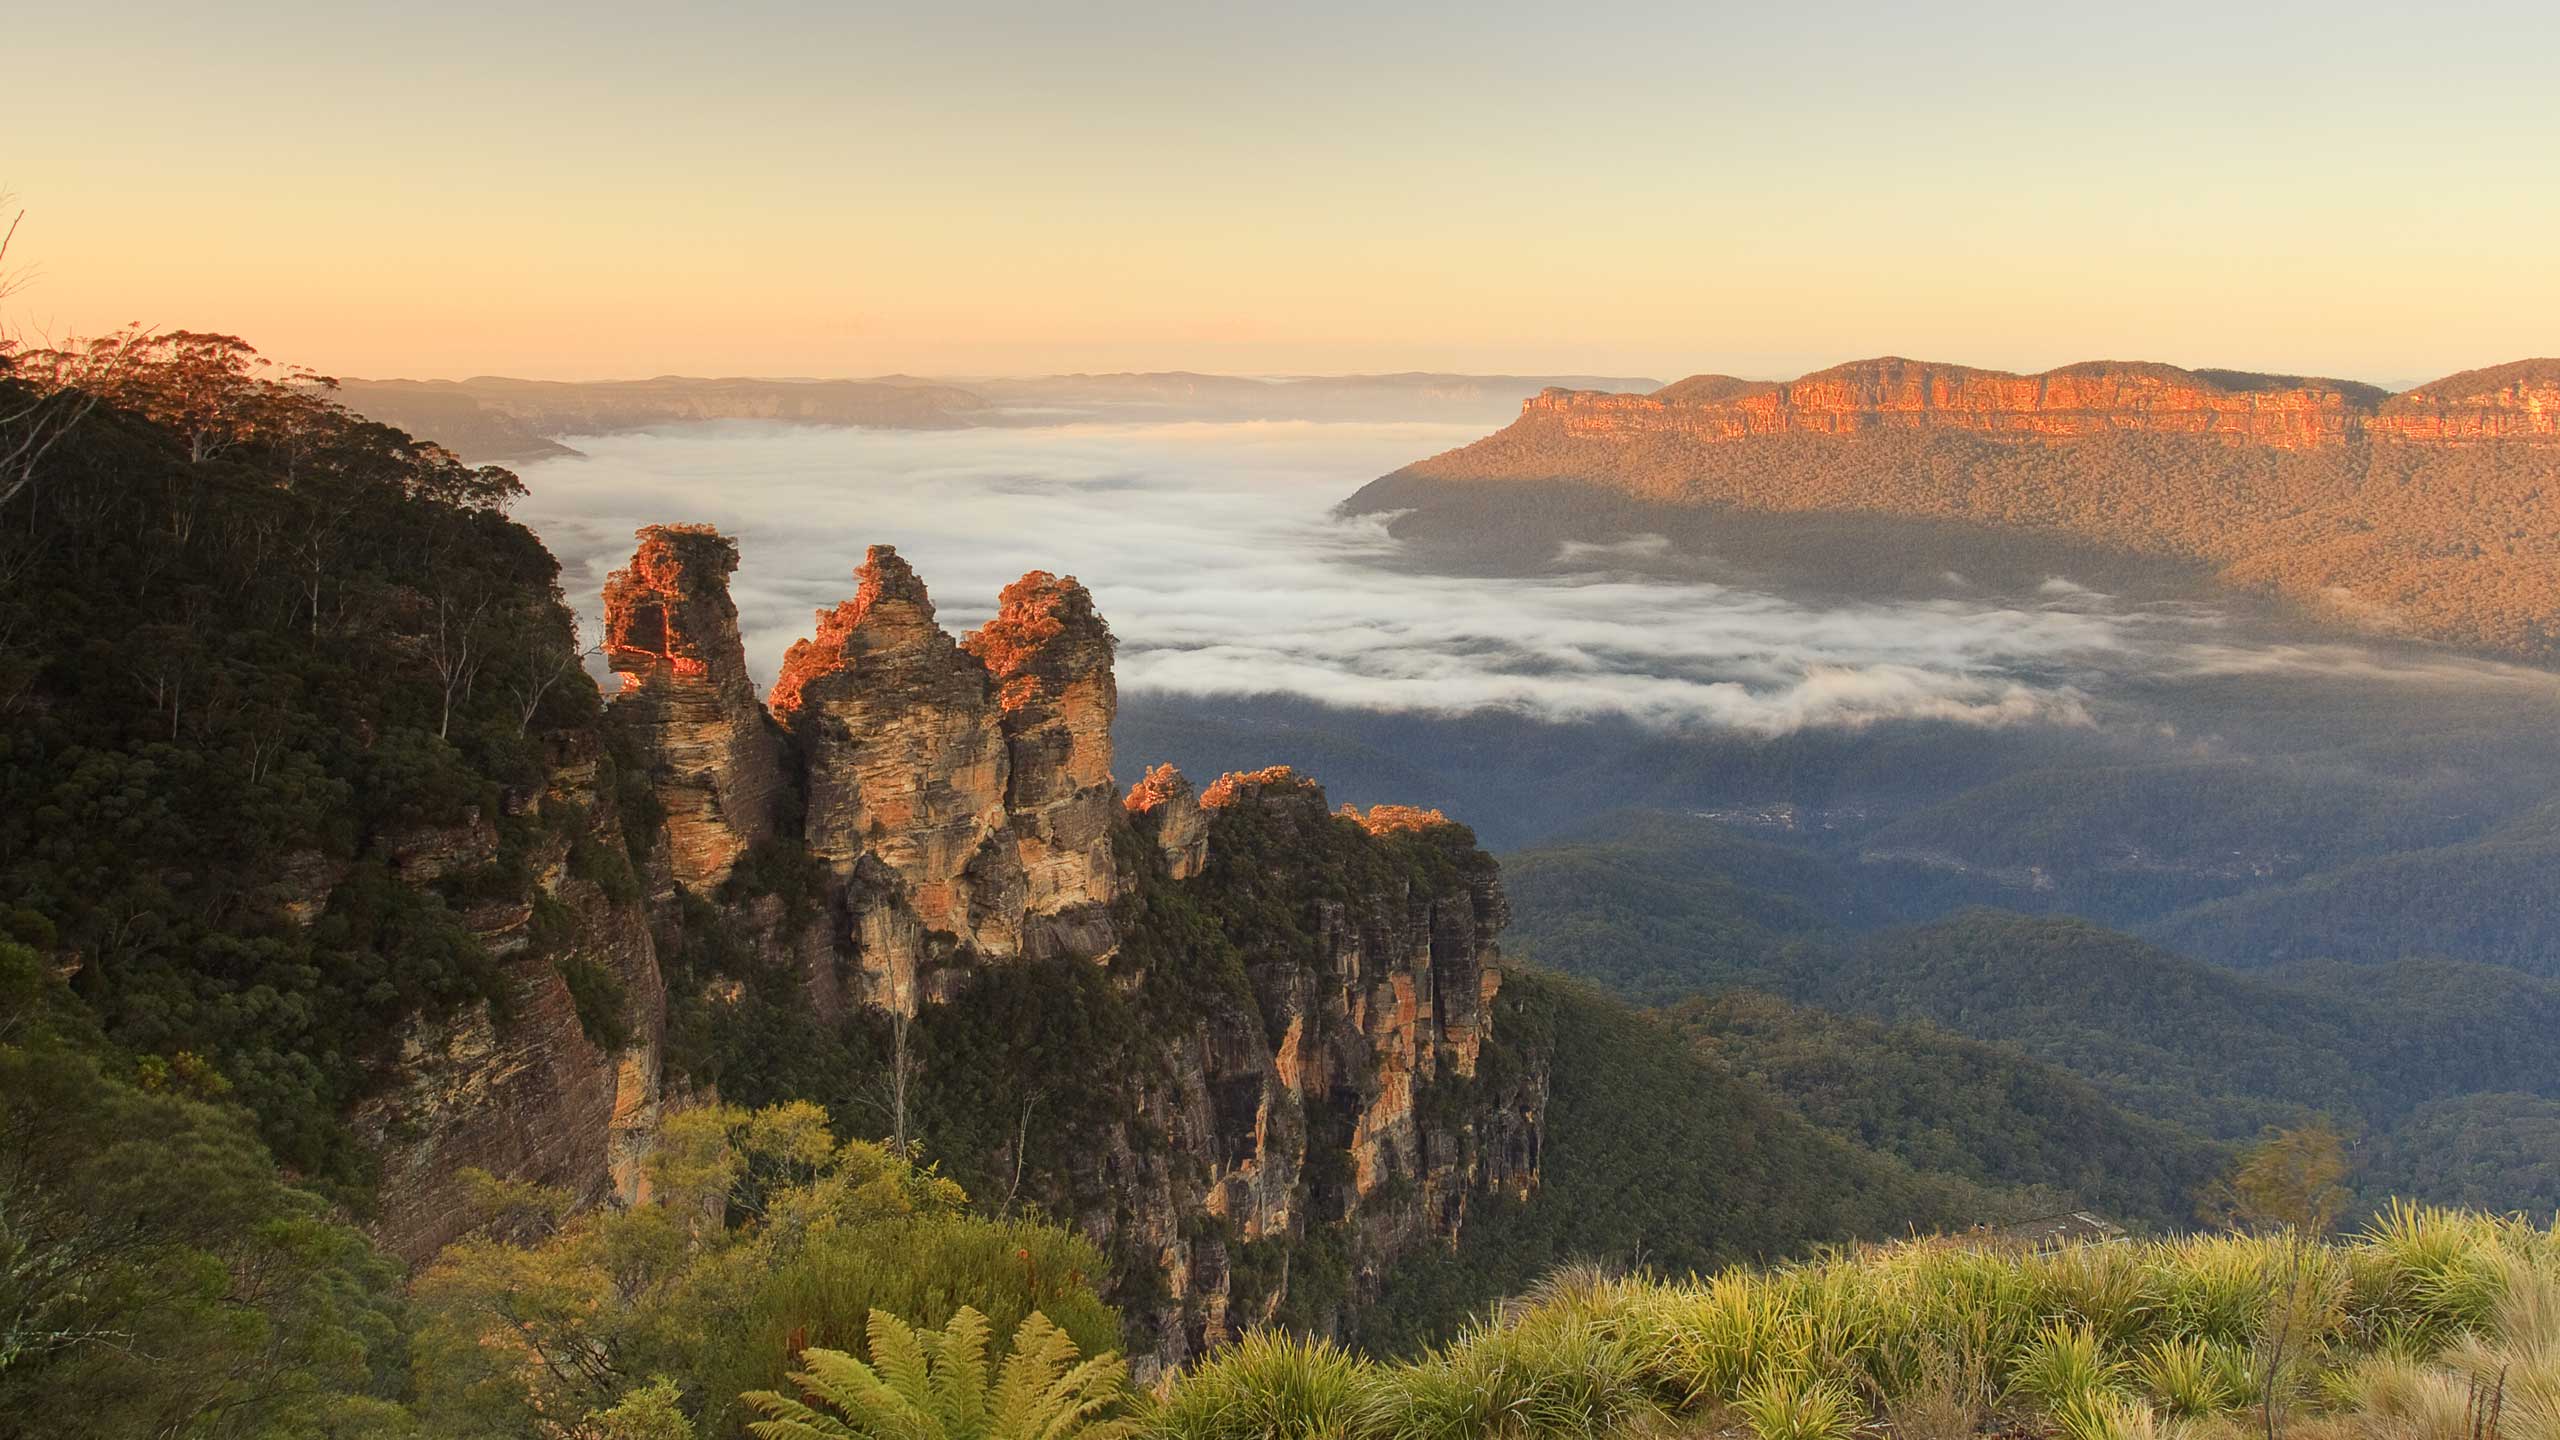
2429,1325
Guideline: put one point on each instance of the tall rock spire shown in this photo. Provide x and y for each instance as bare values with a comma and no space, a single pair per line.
1049,654
906,767
672,634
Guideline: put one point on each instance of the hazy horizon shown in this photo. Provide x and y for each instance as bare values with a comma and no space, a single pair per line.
1008,189
1213,550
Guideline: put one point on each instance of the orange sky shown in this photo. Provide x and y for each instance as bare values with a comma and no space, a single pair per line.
789,189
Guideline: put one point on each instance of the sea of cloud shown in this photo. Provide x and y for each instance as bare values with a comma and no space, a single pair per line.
1213,551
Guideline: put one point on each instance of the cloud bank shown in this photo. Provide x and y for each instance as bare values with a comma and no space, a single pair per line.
1212,550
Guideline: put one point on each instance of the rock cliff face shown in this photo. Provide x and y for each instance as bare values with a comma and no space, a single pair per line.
1347,1101
672,634
1304,1084
1049,655
2518,402
905,768
1166,810
2285,412
2435,513
554,1093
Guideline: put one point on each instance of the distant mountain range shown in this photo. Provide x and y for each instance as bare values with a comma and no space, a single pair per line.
2434,512
495,419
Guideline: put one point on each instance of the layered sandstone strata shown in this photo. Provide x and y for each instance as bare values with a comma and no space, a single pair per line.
539,1094
1049,654
1398,1000
1312,992
1167,811
686,699
2098,397
905,767
2518,402
2433,514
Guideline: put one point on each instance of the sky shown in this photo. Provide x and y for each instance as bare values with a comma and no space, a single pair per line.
782,187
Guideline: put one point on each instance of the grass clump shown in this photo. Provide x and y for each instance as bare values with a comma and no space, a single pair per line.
2429,1325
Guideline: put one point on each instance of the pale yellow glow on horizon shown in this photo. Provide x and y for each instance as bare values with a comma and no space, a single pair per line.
555,213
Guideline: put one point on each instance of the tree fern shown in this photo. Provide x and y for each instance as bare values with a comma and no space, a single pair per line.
928,1385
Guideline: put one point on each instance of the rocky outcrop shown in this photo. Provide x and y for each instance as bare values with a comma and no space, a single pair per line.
1288,1009
1166,810
1376,1113
2433,514
905,769
2510,403
686,699
562,1090
1337,1109
1049,655
960,790
2076,401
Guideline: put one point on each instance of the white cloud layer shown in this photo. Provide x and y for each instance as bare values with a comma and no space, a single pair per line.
1212,551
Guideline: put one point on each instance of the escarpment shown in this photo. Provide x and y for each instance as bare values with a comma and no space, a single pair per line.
1242,1042
2434,513
561,1087
2286,412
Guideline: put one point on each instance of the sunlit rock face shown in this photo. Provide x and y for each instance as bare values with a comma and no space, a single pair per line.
1049,654
2099,397
905,767
687,702
1166,810
2518,402
1295,1002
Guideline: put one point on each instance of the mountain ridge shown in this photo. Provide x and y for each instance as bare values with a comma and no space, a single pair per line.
2432,514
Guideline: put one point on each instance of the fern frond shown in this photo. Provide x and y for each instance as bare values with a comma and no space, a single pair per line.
960,1374
791,1419
1041,1352
899,1355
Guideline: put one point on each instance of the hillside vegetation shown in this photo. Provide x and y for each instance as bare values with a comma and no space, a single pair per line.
2426,1325
2456,542
1657,1151
2187,1052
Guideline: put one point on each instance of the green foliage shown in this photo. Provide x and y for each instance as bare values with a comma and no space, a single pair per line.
2288,1180
763,1235
157,1274
1983,1011
1653,1151
934,1386
1958,1106
1928,1332
2065,1366
253,650
1784,1405
1272,1383
2190,1376
602,1001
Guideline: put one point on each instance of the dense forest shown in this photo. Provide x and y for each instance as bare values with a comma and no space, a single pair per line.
2432,1062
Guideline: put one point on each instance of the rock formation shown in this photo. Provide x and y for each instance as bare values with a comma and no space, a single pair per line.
1290,1077
1049,655
2434,513
671,632
2518,402
905,769
1350,1097
1167,810
539,1094
2286,412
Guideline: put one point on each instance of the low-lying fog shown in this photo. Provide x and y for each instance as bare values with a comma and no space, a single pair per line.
1213,551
